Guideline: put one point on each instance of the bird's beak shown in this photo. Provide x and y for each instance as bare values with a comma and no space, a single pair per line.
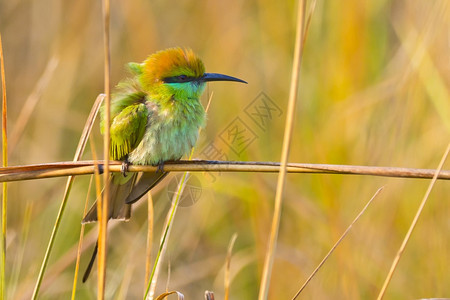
220,77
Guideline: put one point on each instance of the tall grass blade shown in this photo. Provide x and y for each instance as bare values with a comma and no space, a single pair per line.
15,274
148,254
228,266
80,242
31,102
289,126
102,206
5,164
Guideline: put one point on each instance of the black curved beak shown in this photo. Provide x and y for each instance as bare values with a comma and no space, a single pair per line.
220,77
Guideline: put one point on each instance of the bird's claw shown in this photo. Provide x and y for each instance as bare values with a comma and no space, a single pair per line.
124,168
160,167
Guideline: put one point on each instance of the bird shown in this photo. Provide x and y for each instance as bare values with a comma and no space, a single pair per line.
155,117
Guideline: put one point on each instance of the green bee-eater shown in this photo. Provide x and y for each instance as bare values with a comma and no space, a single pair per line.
155,117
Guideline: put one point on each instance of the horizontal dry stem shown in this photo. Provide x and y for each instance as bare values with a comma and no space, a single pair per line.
60,169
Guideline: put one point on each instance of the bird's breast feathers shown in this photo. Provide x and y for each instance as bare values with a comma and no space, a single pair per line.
170,134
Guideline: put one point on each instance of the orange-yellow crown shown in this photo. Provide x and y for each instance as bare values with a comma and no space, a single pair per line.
171,62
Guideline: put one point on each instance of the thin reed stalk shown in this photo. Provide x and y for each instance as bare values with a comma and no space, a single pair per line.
14,279
5,164
228,267
61,169
30,104
289,127
148,252
337,243
102,206
80,242
413,225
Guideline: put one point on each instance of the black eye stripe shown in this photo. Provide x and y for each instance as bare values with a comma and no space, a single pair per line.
179,79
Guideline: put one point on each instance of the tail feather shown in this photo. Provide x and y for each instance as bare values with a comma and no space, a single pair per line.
118,192
91,263
123,192
145,183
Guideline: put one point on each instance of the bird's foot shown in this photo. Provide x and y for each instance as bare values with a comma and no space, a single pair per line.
124,167
160,167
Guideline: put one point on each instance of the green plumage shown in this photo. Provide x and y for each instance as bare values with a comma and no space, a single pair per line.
151,124
127,130
156,115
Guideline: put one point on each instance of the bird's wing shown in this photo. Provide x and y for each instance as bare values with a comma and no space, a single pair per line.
127,129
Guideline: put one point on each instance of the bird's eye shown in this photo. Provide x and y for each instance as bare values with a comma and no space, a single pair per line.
177,79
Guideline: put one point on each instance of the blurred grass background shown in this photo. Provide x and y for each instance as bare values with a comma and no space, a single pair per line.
374,91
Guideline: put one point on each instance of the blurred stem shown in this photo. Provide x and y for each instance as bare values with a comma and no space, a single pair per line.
289,127
103,205
5,164
337,243
413,225
228,267
15,274
80,242
149,235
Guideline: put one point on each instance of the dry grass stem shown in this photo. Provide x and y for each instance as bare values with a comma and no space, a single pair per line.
413,225
337,243
228,266
5,164
50,170
31,102
288,130
148,251
103,211
15,274
80,242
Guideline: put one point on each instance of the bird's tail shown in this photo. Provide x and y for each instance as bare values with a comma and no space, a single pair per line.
123,191
119,189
